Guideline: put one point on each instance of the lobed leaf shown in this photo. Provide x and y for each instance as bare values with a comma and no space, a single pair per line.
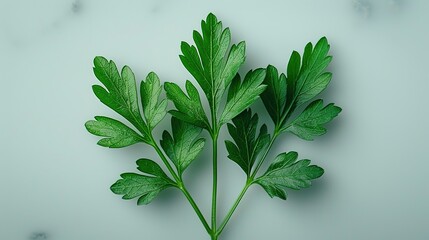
183,146
305,79
312,78
310,122
247,145
134,185
242,95
120,92
286,172
189,108
211,62
117,134
145,187
154,110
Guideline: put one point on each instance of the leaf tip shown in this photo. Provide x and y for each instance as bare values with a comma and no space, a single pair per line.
99,59
317,172
88,124
114,187
211,17
339,109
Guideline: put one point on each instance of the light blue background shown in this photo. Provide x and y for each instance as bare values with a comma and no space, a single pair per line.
55,179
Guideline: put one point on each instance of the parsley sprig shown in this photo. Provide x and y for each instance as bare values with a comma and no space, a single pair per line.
214,63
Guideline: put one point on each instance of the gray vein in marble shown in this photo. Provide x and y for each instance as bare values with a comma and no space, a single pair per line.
363,8
77,6
39,236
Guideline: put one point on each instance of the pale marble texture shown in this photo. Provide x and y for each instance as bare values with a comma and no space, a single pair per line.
55,180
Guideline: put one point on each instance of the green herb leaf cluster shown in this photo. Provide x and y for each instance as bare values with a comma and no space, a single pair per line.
305,79
214,62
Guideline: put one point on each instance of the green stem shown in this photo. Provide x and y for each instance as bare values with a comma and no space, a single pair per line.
214,135
197,210
214,193
234,206
164,159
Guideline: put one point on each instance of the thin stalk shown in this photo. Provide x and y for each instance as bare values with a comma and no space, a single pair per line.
234,206
197,210
214,192
164,160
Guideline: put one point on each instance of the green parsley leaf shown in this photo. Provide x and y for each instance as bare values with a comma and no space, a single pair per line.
241,96
310,122
121,93
184,146
146,187
247,145
154,110
189,109
286,172
210,62
134,185
312,78
305,79
117,134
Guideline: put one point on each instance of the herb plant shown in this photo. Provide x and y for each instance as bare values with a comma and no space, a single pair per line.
214,64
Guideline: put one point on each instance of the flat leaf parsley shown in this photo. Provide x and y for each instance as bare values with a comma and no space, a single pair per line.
214,63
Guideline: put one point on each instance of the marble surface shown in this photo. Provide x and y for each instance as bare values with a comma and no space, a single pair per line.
55,180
